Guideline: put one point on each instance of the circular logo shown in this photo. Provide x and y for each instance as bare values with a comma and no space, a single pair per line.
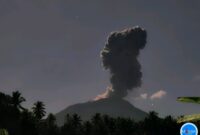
189,129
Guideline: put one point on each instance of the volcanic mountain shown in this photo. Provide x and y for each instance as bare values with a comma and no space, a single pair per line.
115,107
119,56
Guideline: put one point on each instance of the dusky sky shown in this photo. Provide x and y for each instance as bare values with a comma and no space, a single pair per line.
50,50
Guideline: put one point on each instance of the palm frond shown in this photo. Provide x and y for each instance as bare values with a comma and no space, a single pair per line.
189,99
186,118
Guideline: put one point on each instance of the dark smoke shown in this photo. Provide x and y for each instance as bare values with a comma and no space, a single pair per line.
120,57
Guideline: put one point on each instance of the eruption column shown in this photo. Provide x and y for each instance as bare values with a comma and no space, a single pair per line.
120,56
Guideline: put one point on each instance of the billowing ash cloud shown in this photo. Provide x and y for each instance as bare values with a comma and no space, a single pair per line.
120,56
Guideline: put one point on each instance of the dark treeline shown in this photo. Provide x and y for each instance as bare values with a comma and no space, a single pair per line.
18,120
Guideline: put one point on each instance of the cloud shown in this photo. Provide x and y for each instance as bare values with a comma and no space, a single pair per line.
144,96
158,95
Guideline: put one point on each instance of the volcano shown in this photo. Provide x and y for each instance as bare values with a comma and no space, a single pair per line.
114,107
119,56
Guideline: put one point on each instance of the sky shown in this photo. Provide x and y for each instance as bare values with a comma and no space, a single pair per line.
50,51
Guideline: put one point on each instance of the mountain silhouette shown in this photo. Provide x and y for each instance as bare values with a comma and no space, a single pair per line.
114,107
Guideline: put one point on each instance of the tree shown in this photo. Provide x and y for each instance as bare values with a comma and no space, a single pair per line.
152,124
76,120
125,126
51,120
49,126
17,99
28,123
5,100
39,110
87,128
96,119
72,125
98,125
110,123
169,126
193,117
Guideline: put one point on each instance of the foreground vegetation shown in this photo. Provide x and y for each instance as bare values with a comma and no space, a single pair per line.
18,120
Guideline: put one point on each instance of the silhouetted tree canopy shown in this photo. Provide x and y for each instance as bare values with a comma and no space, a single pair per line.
17,121
39,110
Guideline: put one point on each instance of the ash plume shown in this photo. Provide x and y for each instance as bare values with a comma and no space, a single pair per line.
120,55
104,95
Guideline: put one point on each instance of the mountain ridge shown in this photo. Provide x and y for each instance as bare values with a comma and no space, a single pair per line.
113,107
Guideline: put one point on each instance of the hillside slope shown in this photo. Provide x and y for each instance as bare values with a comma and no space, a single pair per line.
112,107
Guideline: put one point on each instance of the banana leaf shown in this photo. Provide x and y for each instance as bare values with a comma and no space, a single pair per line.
189,118
189,99
3,132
